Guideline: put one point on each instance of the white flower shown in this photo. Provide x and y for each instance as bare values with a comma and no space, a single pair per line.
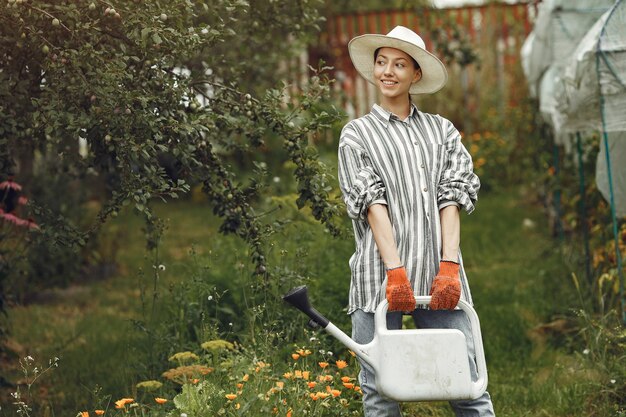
230,324
612,381
329,353
276,179
586,352
183,414
210,297
162,267
313,339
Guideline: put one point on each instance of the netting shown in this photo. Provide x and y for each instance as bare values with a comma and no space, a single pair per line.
617,152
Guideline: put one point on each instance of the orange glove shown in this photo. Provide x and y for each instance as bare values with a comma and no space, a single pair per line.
446,288
399,291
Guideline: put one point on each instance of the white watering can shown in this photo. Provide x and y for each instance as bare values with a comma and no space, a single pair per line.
412,364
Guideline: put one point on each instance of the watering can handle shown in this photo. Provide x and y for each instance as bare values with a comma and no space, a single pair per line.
478,386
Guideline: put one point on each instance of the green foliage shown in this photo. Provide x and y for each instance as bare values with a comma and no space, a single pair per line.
129,102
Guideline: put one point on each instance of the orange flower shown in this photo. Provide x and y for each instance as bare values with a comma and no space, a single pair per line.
335,393
160,400
321,395
306,374
295,356
303,352
341,364
287,375
237,406
289,413
352,353
298,373
240,385
195,381
348,385
245,378
280,384
311,384
357,388
323,364
345,379
84,414
99,412
328,388
122,403
231,397
328,378
314,397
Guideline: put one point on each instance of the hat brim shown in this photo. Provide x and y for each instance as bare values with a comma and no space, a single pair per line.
362,48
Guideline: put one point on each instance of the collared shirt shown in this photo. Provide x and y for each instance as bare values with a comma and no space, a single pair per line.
415,167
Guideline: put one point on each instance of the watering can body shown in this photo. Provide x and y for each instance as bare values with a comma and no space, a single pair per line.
417,364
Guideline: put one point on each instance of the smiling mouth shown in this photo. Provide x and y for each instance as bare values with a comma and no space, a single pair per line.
387,82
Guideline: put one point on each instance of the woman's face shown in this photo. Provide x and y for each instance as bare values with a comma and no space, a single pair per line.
394,72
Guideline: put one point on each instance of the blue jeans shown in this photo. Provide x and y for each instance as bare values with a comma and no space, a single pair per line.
375,405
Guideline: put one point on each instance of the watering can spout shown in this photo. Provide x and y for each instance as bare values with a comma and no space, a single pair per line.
299,298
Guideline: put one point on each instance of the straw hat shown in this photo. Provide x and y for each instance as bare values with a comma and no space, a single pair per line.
362,48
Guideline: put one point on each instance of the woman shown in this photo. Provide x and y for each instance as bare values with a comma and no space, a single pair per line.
404,176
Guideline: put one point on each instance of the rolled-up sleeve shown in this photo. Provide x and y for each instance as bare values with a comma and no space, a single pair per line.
360,184
458,183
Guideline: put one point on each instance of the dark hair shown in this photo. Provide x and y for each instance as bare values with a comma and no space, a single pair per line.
415,64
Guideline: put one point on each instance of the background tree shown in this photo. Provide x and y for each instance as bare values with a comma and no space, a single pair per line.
127,101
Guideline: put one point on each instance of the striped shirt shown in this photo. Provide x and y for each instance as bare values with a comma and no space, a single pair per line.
415,167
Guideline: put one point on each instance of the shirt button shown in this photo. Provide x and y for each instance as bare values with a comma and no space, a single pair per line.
425,189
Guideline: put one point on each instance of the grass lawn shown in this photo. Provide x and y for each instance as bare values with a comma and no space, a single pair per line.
518,281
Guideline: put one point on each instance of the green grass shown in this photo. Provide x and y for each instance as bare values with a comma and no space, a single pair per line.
517,276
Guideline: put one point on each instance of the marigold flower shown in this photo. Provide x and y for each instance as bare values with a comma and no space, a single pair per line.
314,396
195,381
289,413
328,378
287,375
335,392
348,385
321,395
312,384
245,378
303,352
295,356
306,374
357,388
345,379
98,412
84,414
160,400
239,385
341,364
122,403
237,406
298,373
323,364
231,397
280,384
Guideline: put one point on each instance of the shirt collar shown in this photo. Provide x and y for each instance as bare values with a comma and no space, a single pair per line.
385,116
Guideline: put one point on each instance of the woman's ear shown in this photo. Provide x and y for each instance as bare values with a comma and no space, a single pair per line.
418,75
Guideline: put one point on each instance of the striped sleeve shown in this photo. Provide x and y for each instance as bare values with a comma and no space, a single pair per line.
458,182
360,184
